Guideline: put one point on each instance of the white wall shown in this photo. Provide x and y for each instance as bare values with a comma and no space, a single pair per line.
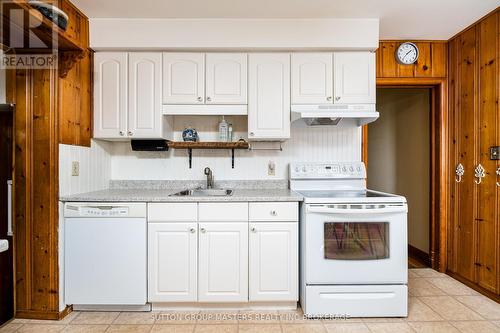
399,155
219,34
306,144
95,168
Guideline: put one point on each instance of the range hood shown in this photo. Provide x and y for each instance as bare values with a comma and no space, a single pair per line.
329,114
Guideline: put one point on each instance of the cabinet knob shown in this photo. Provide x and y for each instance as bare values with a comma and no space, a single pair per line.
209,99
329,98
337,98
200,99
203,230
274,213
253,229
130,133
192,230
122,133
252,133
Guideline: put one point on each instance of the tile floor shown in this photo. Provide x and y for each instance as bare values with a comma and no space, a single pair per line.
437,304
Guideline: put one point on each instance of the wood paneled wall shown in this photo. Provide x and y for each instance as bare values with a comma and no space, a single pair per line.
52,106
75,89
431,62
75,103
35,192
474,78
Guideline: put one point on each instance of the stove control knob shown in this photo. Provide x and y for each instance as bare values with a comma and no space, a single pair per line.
297,169
304,169
351,169
344,169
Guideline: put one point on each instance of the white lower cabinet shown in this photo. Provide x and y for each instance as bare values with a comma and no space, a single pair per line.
273,266
211,253
223,262
173,262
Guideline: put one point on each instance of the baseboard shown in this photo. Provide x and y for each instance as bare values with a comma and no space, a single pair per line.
419,255
43,315
476,287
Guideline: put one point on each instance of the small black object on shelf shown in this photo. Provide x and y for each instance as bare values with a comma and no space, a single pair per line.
149,145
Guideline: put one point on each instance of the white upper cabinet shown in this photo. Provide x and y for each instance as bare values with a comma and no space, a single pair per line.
273,261
223,262
269,96
110,95
183,78
226,78
355,77
312,78
172,263
127,96
144,116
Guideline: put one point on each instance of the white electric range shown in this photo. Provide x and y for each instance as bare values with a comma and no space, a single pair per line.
353,243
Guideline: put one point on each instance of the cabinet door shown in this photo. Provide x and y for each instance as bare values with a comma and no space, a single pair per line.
226,78
354,77
172,262
110,95
312,78
144,111
223,275
183,78
273,261
269,96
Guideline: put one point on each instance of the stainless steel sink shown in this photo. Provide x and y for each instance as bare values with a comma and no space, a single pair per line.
216,192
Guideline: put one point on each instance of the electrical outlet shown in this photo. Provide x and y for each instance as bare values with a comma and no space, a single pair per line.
271,168
75,168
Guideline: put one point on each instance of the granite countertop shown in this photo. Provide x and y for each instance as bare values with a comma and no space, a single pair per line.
163,195
161,191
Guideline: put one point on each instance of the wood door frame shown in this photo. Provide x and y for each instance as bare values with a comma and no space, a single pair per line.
440,173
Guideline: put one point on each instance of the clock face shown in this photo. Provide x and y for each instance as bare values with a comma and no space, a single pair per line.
407,53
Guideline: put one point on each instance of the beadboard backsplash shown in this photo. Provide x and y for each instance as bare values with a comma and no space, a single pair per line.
94,165
315,144
105,161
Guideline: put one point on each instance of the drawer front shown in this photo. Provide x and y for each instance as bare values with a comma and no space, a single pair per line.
173,212
223,211
274,211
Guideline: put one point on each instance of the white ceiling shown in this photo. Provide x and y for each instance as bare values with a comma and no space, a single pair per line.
399,19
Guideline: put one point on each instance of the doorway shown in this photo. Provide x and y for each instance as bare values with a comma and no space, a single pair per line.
400,160
6,257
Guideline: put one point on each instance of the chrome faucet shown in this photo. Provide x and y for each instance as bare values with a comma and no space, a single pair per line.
210,178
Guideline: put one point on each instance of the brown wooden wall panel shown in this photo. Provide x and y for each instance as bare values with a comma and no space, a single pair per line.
36,193
487,227
432,61
466,136
474,80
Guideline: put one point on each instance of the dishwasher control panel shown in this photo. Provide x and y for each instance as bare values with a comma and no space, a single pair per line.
104,211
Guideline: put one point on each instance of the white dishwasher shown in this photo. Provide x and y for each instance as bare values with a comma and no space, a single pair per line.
105,255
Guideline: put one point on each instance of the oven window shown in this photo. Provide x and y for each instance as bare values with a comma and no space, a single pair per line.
356,241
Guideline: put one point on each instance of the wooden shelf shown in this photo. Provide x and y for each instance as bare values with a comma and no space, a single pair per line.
45,31
208,145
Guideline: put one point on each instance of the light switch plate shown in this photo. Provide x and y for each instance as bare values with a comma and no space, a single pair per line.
75,168
271,168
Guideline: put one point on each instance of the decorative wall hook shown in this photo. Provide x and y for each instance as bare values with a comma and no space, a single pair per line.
498,176
479,173
459,172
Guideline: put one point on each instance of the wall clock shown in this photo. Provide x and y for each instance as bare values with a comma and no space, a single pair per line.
407,53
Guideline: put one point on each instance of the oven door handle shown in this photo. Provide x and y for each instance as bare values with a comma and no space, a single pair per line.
328,210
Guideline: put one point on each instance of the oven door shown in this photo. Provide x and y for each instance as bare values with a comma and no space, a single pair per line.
356,244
